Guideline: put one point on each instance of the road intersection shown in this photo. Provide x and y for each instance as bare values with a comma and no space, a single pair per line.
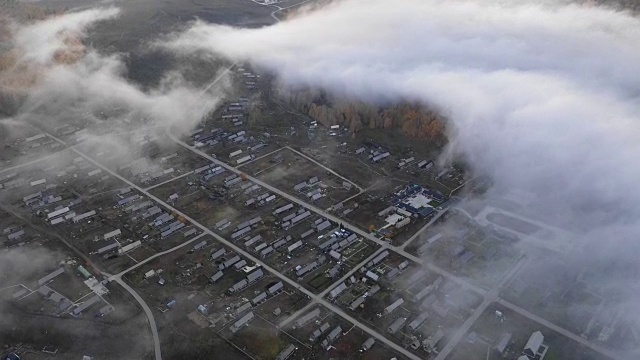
490,296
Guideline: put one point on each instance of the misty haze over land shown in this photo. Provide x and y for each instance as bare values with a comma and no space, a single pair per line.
531,90
71,80
540,97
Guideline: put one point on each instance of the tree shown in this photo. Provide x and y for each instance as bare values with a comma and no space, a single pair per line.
414,120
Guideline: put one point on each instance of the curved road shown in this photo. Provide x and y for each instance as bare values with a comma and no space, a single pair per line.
489,296
318,299
118,278
147,310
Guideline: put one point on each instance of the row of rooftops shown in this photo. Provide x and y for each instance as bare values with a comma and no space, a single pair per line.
250,279
13,180
302,271
304,184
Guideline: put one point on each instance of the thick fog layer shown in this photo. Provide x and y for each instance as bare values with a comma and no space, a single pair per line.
543,98
42,40
69,79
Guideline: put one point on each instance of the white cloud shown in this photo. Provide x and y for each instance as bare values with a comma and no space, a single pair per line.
543,97
88,80
41,40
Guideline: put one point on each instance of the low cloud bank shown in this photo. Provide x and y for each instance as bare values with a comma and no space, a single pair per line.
541,97
60,78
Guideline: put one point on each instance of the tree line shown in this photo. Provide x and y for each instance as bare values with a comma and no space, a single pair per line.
414,120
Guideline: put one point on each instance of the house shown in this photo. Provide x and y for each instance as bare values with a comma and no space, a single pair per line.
286,352
253,240
260,246
272,290
389,309
279,243
240,264
304,270
323,225
432,341
333,271
418,321
501,345
50,276
371,275
533,345
266,251
294,246
334,254
238,286
338,290
374,289
200,245
357,302
85,305
396,325
368,344
306,318
216,254
334,334
239,233
316,334
378,258
246,306
255,275
240,323
229,262
392,273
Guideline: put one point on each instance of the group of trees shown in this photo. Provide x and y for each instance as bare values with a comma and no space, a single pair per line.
414,120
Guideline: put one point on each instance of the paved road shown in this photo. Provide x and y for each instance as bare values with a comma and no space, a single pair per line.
147,310
558,329
44,230
157,255
419,232
260,157
118,278
326,168
169,180
295,315
493,297
327,215
237,249
457,336
41,159
489,296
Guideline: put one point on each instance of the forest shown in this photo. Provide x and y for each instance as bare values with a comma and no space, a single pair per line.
416,121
